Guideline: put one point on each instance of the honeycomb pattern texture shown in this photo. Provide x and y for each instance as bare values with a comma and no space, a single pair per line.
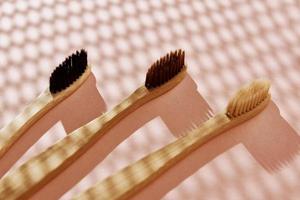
227,43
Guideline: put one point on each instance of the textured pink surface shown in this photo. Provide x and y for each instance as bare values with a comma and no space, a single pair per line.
227,42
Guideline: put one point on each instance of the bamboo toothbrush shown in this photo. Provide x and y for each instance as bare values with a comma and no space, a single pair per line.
246,104
64,80
22,182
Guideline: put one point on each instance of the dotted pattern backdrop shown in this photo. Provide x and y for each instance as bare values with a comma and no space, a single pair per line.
227,42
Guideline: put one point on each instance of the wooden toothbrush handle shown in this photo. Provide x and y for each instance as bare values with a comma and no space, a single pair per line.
133,178
41,169
33,112
248,102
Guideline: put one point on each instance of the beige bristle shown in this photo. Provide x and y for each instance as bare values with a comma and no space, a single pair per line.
248,97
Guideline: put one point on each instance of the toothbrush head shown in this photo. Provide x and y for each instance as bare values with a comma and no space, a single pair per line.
248,98
68,71
165,69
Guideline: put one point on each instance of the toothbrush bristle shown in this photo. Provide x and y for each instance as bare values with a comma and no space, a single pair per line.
165,69
68,71
248,97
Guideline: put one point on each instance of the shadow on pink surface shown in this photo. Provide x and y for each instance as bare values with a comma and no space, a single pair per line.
82,106
181,108
268,137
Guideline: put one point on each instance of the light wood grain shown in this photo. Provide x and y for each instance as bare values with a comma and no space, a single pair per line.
135,177
33,112
34,174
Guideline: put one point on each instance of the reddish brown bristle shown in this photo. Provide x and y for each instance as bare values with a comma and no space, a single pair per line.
165,69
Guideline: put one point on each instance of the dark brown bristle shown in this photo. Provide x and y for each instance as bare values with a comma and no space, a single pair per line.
68,71
165,69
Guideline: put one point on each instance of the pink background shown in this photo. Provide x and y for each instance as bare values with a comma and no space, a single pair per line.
227,43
